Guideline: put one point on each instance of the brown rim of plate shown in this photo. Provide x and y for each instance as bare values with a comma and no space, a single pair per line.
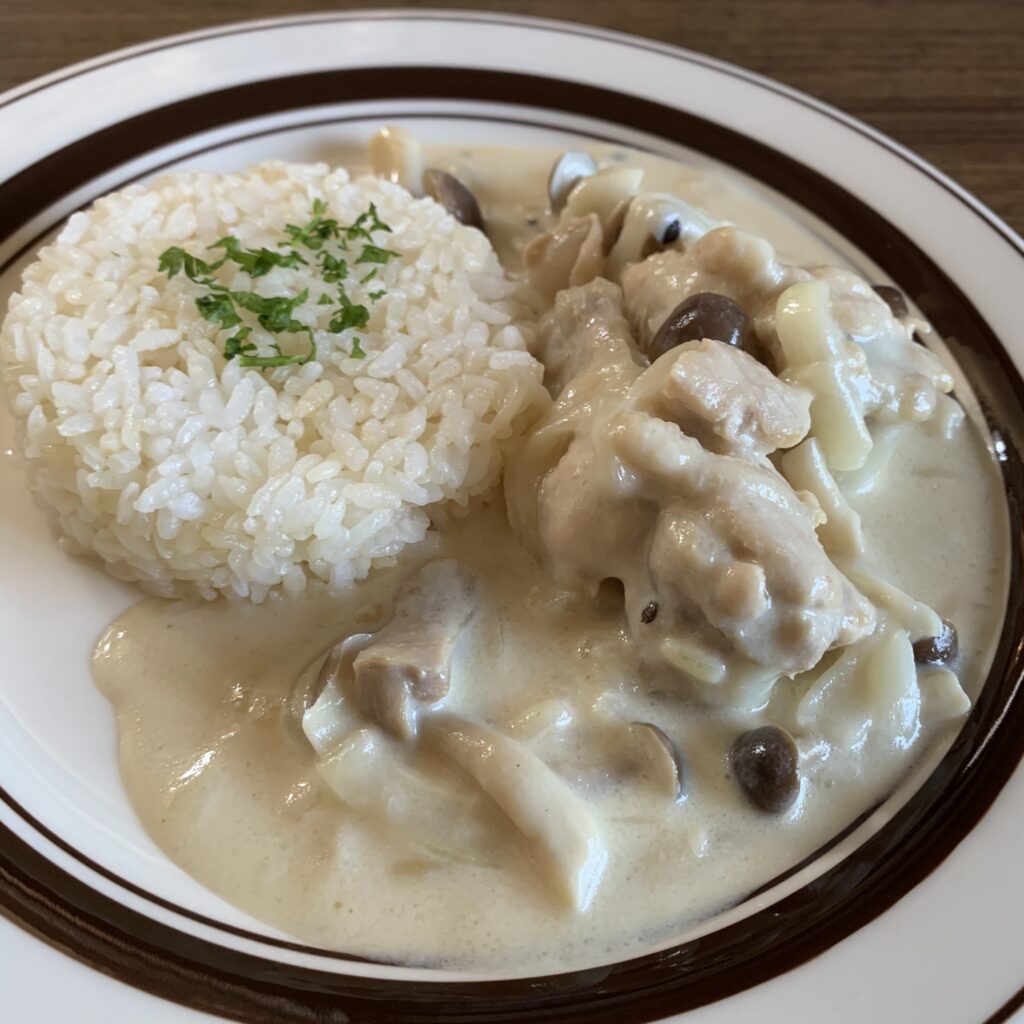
209,977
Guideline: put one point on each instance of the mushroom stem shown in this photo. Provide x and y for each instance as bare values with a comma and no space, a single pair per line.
561,835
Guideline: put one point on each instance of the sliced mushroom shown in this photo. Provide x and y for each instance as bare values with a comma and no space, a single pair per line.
666,759
613,223
560,834
571,255
320,694
603,193
410,658
406,795
447,190
569,168
654,220
397,155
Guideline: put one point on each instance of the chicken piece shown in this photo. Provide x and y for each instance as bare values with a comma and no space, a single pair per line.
586,328
734,542
585,340
898,379
726,261
726,399
608,485
410,658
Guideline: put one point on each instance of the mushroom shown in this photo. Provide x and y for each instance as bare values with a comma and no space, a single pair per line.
893,298
699,316
570,255
765,762
569,168
666,759
447,190
940,649
560,834
326,719
655,220
397,155
603,193
410,658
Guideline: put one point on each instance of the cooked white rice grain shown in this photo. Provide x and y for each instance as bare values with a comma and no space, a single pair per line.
190,474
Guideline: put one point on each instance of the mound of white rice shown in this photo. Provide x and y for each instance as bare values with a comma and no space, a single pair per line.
190,474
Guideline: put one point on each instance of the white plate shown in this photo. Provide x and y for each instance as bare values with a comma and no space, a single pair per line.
917,915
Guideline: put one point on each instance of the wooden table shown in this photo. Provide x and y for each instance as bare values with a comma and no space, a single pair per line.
945,77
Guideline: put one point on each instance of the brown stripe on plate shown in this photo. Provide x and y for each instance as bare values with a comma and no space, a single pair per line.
216,979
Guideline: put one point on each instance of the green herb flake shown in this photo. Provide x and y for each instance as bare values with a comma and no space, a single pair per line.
334,268
237,345
365,224
349,315
256,262
276,314
273,313
375,254
172,261
218,309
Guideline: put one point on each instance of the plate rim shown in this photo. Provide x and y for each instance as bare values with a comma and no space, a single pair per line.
142,49
468,15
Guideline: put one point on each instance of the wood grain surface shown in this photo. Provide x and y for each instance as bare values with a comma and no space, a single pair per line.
945,77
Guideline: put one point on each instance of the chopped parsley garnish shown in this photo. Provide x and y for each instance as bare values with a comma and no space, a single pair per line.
218,308
374,254
349,315
224,306
333,268
256,262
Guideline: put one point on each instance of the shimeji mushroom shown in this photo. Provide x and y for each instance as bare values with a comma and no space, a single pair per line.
410,658
570,167
560,834
666,766
452,194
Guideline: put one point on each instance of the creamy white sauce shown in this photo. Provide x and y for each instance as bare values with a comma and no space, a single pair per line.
508,183
220,773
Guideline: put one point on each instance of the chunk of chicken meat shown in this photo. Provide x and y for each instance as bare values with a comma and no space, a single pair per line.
734,542
410,658
899,379
615,482
586,328
726,399
725,261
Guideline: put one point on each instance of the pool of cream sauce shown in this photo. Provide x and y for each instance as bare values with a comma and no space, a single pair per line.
217,767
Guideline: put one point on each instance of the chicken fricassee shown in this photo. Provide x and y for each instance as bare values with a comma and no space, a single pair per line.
720,605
